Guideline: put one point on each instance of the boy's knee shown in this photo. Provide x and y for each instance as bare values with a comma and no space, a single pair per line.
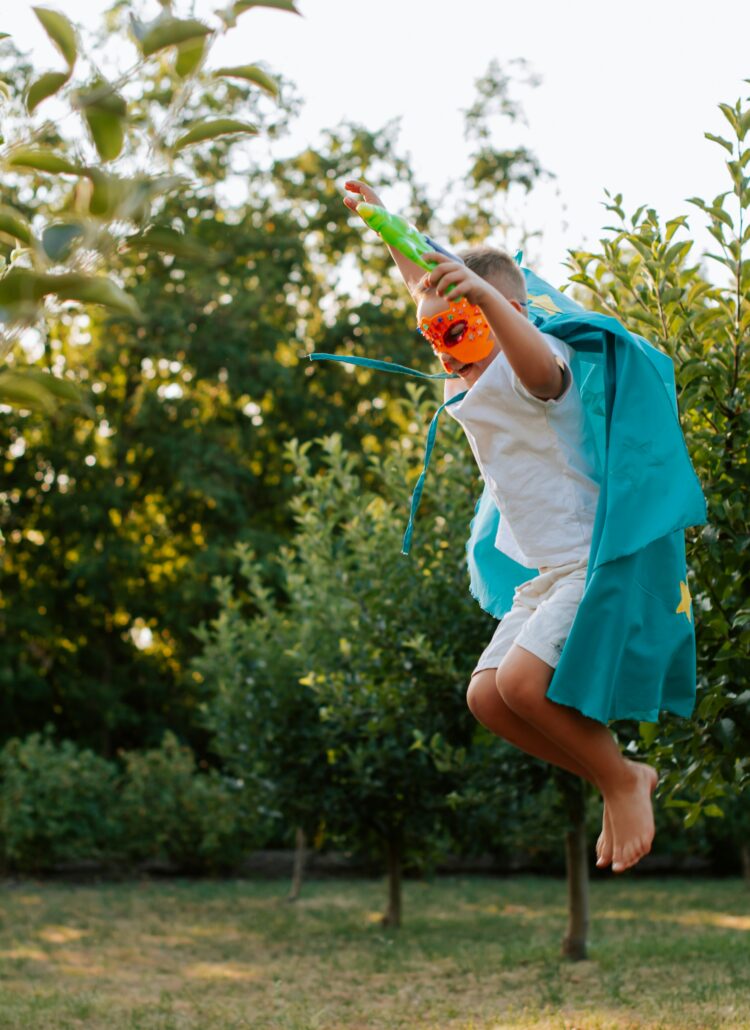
519,692
480,689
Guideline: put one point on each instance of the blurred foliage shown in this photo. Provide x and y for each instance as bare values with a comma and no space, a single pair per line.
170,812
56,804
61,804
647,277
114,528
348,699
89,160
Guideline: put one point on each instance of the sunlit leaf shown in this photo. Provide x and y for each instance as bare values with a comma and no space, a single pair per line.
280,5
721,141
108,195
116,197
22,288
45,86
170,32
62,389
93,290
39,160
211,129
648,731
40,391
104,110
19,391
251,73
731,116
13,223
58,240
60,31
107,131
189,56
167,240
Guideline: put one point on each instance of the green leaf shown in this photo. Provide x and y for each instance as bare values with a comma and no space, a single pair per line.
251,73
21,289
280,5
721,141
166,240
211,129
13,223
648,732
189,56
692,816
713,811
107,132
60,31
58,240
61,389
18,391
731,116
104,110
45,86
39,160
40,391
115,197
93,290
171,32
108,195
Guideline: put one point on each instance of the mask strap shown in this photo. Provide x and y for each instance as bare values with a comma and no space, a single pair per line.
387,366
416,496
381,366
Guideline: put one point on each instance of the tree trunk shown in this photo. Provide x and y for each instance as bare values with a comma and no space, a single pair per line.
577,867
300,842
393,850
745,857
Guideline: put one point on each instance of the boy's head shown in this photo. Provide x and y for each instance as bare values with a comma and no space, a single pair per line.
500,271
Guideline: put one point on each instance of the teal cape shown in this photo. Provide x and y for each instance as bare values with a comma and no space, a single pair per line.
630,653
631,650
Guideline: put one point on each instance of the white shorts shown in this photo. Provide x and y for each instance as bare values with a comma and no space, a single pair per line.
541,616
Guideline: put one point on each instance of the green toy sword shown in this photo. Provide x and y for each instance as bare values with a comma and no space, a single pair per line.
402,235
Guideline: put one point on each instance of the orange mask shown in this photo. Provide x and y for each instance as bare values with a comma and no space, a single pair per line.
461,331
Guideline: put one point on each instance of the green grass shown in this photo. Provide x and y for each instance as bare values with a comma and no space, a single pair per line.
473,954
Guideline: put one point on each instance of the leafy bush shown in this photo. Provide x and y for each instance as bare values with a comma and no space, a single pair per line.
57,804
647,277
171,812
62,804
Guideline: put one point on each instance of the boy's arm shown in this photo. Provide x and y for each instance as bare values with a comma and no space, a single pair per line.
410,272
527,352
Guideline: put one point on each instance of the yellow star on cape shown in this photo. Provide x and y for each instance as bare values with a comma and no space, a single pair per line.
686,603
546,303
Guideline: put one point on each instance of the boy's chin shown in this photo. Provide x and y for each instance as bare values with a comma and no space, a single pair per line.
468,373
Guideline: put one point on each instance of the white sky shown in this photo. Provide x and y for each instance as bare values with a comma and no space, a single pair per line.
627,93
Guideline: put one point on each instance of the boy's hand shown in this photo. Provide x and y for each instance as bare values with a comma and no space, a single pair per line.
450,273
365,193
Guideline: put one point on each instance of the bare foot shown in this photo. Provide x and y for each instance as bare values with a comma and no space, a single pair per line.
631,814
605,842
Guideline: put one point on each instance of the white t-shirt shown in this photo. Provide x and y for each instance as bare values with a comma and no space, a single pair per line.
537,460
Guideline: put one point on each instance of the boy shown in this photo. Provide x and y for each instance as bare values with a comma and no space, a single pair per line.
522,416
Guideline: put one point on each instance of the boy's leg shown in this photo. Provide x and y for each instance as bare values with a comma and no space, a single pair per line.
522,680
488,707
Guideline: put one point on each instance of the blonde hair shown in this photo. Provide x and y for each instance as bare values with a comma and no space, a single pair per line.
496,266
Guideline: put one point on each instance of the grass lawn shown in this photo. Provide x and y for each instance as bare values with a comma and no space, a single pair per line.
473,954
